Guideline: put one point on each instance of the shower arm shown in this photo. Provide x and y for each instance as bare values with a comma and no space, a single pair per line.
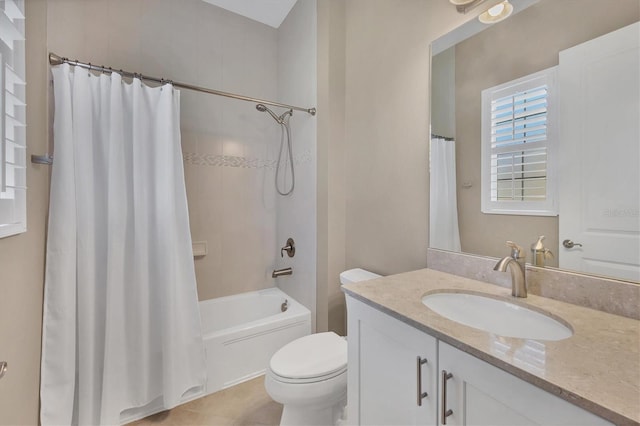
279,119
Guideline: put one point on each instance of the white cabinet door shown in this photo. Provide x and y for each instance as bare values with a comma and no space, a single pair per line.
388,383
480,394
599,150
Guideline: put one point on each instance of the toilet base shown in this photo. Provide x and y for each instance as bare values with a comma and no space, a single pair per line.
305,415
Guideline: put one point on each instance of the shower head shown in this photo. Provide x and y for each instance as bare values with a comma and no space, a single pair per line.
280,120
263,108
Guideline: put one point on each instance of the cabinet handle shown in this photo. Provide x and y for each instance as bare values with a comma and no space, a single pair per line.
421,395
3,368
443,410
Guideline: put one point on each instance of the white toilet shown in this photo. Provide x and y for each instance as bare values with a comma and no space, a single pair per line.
309,375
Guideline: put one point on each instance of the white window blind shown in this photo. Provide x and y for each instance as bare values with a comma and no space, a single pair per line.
518,146
13,179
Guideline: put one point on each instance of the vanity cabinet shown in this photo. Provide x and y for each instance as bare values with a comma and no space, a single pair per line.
392,370
477,393
385,377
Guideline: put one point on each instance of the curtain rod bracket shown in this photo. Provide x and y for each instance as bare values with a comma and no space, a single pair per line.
55,59
42,159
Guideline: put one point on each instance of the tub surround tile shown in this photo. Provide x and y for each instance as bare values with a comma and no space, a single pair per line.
240,161
604,294
598,368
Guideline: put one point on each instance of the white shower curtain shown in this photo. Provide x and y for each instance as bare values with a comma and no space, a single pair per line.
443,211
121,326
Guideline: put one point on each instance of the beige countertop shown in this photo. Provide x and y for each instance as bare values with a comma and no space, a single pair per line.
598,368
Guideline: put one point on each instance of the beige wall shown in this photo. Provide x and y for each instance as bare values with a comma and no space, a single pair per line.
331,165
387,118
566,24
22,256
373,148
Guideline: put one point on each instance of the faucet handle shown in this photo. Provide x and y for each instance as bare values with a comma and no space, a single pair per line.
516,250
290,248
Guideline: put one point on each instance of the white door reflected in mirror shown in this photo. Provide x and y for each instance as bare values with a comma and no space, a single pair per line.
600,106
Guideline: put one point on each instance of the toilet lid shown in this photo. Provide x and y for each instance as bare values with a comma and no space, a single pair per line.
316,355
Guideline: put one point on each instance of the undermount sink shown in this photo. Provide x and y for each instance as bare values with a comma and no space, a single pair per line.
496,316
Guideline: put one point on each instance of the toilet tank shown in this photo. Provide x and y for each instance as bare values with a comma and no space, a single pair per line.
355,275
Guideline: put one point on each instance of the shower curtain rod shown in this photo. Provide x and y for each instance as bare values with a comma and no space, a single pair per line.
57,60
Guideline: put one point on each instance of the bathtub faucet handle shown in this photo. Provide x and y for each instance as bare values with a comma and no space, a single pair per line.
290,248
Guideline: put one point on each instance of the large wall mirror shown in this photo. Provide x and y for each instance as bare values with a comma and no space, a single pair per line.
588,170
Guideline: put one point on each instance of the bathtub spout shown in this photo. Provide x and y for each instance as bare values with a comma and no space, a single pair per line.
280,272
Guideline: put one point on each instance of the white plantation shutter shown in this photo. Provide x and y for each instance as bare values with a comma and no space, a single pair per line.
518,146
13,178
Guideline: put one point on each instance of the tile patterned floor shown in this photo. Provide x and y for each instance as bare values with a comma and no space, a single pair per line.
246,404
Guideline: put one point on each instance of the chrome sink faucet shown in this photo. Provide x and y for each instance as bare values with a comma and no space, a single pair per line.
515,264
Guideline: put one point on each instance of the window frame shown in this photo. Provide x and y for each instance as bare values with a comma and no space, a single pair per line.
13,202
548,207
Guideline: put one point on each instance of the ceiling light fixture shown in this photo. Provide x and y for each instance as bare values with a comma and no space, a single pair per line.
463,6
496,10
497,13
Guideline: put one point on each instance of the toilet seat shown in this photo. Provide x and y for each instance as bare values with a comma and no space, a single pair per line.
308,379
310,359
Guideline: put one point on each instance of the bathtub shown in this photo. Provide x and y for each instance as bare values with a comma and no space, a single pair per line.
243,331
